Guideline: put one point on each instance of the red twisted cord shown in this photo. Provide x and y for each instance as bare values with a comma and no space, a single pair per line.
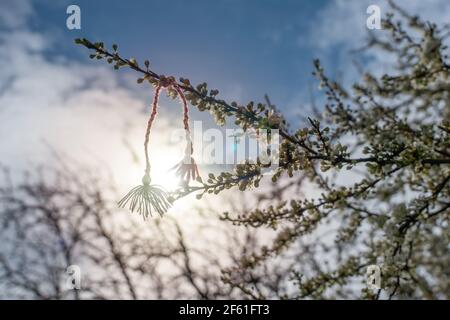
153,114
149,127
185,116
185,108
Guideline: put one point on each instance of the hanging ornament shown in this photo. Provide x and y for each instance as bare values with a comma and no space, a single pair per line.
187,168
147,197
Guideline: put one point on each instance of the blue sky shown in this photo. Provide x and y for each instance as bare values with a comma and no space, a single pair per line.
50,91
253,47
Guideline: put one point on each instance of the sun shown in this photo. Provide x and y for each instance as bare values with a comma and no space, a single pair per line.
163,159
162,173
165,151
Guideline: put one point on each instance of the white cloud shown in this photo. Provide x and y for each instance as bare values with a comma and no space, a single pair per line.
341,27
79,109
343,23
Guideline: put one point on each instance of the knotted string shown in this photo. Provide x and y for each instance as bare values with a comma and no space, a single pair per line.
153,114
148,197
189,145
